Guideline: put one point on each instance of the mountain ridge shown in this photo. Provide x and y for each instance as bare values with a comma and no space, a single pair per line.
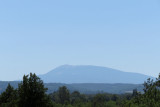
91,74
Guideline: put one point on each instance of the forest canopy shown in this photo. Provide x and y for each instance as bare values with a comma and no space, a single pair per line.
31,92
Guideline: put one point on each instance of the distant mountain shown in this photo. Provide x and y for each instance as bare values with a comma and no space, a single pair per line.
91,74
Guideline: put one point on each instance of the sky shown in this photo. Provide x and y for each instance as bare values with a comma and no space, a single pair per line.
40,35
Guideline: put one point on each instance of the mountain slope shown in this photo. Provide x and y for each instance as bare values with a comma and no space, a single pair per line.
91,74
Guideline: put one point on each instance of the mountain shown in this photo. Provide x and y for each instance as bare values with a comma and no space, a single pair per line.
91,74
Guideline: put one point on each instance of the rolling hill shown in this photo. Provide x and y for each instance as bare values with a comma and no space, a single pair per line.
86,88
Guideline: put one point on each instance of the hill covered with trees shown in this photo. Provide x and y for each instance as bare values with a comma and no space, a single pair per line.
31,92
85,88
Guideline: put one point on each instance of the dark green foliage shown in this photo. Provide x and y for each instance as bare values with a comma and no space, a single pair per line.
114,98
32,92
99,100
135,93
63,95
111,104
91,100
76,97
150,97
9,97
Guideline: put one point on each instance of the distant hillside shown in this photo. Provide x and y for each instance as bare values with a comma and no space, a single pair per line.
91,74
88,80
88,88
4,84
94,88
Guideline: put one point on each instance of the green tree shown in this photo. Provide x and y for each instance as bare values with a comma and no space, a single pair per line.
114,97
9,97
32,92
99,100
63,94
76,97
150,97
135,93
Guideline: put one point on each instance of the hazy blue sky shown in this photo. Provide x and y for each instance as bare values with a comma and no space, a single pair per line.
39,35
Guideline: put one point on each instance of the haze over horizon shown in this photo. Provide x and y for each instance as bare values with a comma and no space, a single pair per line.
38,36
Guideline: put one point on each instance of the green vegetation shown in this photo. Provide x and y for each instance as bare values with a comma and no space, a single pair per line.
9,97
150,97
31,92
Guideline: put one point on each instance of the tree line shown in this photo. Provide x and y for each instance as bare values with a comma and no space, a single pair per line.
32,93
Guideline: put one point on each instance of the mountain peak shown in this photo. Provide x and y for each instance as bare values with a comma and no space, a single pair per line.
91,74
